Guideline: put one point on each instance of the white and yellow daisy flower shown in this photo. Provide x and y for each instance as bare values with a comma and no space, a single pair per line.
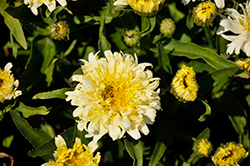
142,7
51,4
79,155
8,85
239,24
219,3
115,95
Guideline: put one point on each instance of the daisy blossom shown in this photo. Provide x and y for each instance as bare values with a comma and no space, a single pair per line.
51,4
8,85
238,24
115,95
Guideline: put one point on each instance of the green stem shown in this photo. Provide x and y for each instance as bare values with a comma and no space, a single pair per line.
191,158
209,36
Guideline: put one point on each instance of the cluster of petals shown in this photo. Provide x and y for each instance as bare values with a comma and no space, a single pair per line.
219,3
239,25
8,85
51,4
203,147
230,154
142,7
184,85
114,95
79,155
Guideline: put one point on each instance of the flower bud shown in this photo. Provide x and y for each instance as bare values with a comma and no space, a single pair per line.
167,27
204,13
203,147
131,38
59,30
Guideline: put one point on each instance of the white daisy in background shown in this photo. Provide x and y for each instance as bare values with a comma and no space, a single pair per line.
51,4
8,85
115,95
219,3
239,24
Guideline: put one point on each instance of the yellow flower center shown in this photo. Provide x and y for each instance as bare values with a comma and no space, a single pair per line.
205,11
117,93
6,83
203,147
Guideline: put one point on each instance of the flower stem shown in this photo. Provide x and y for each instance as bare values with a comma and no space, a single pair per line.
209,36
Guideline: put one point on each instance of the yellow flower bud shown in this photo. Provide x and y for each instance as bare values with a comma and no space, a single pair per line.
59,30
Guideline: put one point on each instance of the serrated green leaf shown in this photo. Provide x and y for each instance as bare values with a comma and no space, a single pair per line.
34,136
28,111
193,51
134,148
59,93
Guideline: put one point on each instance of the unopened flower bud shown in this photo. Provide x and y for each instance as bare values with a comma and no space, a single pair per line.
167,27
131,38
204,13
203,147
59,30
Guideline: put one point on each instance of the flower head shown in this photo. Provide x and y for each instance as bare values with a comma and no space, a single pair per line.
229,155
219,3
59,30
115,95
239,24
204,13
79,155
184,85
143,7
8,86
244,65
131,38
51,4
167,27
203,147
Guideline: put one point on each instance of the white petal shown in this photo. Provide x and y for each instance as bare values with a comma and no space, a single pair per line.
220,3
121,2
59,141
134,133
62,2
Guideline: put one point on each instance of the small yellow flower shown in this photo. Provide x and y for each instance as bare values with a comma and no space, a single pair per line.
79,155
8,85
59,30
115,95
244,65
203,147
143,7
167,27
230,154
184,85
204,13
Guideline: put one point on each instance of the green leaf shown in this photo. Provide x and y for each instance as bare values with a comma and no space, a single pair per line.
193,51
49,72
208,111
52,17
165,136
14,25
103,43
28,111
237,116
148,24
204,134
134,148
59,93
176,14
214,78
164,60
7,141
34,136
